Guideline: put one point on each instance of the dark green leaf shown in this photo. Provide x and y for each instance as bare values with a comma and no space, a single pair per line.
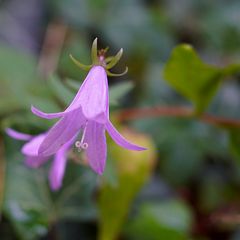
170,220
193,78
117,91
20,84
115,200
32,207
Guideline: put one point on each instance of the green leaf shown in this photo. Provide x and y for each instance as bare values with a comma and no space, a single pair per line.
184,144
78,46
193,78
115,200
31,206
20,84
234,143
73,84
170,220
60,90
27,204
214,190
117,91
75,200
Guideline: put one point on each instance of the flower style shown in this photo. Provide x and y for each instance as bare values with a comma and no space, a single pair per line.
88,114
33,160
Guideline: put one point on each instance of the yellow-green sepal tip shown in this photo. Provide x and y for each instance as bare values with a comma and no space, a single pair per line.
79,64
115,59
110,74
94,53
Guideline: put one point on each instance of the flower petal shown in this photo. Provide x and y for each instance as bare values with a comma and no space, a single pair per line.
57,169
97,148
62,132
35,162
120,140
92,97
42,114
94,94
31,148
17,135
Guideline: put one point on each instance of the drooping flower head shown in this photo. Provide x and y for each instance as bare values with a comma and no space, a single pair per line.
87,115
34,160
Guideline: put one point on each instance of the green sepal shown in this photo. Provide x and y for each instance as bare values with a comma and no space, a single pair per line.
109,59
94,54
80,65
116,74
115,59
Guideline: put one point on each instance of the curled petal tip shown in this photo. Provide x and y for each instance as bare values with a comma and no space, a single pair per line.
120,140
141,149
79,64
33,109
36,111
42,114
117,74
17,135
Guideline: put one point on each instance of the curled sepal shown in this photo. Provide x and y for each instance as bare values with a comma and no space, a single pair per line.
80,65
116,74
115,59
99,59
109,59
94,53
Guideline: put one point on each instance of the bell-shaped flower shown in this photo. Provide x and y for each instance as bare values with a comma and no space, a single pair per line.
34,160
88,114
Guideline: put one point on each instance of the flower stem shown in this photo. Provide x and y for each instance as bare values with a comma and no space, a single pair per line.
173,111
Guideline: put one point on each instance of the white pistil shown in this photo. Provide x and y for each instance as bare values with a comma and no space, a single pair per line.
81,145
84,146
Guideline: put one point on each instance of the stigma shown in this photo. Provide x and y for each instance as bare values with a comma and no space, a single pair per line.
82,145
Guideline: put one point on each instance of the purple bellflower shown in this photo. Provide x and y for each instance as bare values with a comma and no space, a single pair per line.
34,160
88,115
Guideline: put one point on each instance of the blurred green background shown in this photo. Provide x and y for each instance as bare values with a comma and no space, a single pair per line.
186,185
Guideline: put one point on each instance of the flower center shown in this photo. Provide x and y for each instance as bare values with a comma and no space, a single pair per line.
101,57
81,145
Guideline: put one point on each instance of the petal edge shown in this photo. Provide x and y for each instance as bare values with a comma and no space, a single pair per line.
97,147
42,114
18,135
120,140
62,132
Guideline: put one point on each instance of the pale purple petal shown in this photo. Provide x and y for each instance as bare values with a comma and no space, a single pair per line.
94,94
119,139
97,148
92,97
31,148
35,162
62,132
41,114
57,169
17,135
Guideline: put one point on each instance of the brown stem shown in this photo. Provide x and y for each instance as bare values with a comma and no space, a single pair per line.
51,49
183,112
